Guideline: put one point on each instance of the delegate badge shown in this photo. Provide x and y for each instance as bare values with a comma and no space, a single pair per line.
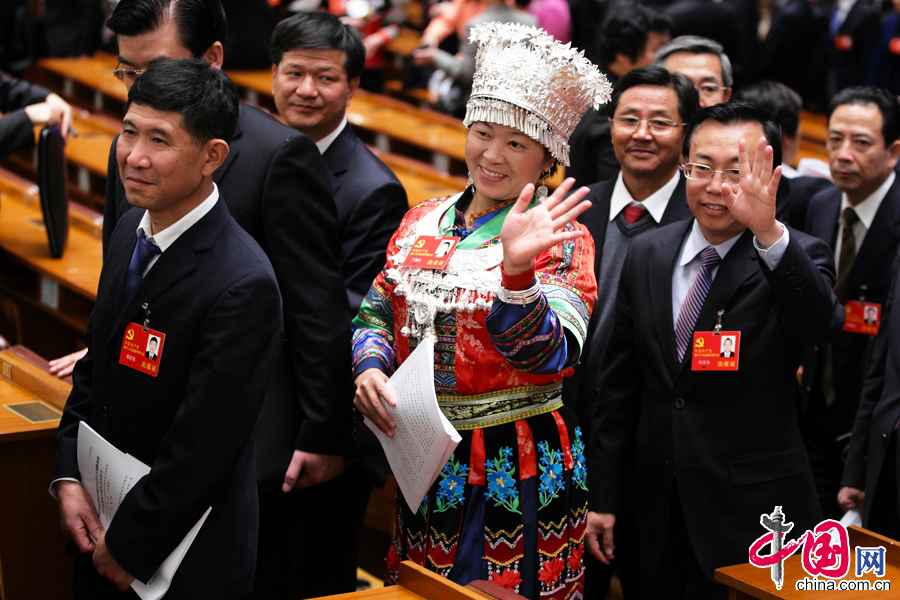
431,252
716,351
862,317
142,349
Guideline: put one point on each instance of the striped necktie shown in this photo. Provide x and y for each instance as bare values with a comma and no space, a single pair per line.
690,310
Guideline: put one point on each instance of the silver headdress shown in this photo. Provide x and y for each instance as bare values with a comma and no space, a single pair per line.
525,79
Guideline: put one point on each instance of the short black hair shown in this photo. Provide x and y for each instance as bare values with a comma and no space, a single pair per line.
778,99
153,339
204,96
319,31
887,104
688,99
625,31
738,113
201,23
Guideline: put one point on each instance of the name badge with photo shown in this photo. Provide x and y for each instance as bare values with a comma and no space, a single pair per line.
142,349
862,317
716,351
431,252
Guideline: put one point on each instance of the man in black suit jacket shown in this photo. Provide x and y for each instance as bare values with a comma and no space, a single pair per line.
709,464
317,62
852,37
863,127
185,270
650,107
627,39
275,185
26,105
870,475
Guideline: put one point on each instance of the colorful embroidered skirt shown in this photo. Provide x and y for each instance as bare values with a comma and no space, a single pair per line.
510,506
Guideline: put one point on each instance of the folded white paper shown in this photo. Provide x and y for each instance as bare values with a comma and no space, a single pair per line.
424,439
107,474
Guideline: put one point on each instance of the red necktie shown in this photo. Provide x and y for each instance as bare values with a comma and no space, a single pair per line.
633,213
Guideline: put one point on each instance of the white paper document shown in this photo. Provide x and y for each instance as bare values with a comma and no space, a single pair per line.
851,517
424,439
108,474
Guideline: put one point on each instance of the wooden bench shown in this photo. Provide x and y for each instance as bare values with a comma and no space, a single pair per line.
34,563
814,132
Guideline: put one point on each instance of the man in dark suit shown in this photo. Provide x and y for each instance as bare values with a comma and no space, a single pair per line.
276,189
852,33
152,347
727,348
860,221
795,50
870,475
626,40
704,62
708,465
26,105
316,65
650,109
317,62
182,269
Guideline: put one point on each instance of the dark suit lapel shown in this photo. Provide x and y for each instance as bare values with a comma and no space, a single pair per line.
661,267
740,263
233,146
826,211
174,264
339,155
677,209
602,207
880,240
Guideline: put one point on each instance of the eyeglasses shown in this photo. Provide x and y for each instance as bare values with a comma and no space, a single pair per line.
697,172
710,89
656,126
129,74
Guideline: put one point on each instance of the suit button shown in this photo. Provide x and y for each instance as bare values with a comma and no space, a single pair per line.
815,348
885,438
679,403
665,465
104,412
808,388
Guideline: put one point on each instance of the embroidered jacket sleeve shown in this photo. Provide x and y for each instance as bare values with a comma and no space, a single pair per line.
546,335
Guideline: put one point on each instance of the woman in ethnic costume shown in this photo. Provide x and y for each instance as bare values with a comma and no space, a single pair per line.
508,318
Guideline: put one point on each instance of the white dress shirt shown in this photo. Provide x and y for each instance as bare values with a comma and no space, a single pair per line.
865,210
655,203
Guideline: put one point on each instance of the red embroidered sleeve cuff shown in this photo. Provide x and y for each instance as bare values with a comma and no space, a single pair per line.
517,282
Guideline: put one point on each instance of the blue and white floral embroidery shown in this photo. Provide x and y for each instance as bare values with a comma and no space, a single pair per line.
552,480
579,476
501,481
450,489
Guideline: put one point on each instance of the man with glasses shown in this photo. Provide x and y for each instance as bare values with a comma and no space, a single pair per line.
707,463
704,62
626,40
650,109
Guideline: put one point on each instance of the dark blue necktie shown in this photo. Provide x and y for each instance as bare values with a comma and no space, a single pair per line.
144,251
